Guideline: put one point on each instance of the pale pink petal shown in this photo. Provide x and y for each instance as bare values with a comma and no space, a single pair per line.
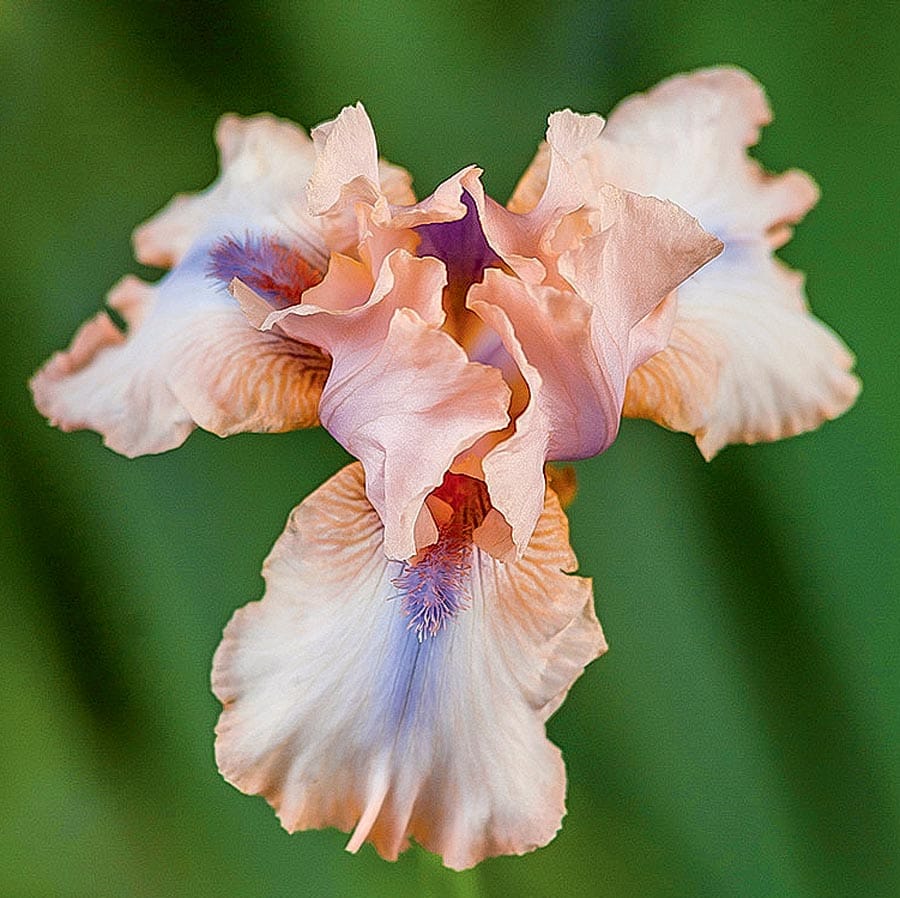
339,715
641,249
190,358
346,161
575,350
347,174
526,234
402,396
572,411
265,165
746,362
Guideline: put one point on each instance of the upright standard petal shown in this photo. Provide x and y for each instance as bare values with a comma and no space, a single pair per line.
342,711
575,348
402,395
747,361
348,172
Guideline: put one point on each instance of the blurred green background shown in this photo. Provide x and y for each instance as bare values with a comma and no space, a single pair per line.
741,736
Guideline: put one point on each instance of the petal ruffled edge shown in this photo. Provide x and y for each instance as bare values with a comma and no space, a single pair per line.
746,362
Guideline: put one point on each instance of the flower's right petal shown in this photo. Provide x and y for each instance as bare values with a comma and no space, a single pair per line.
339,715
686,141
190,358
265,165
746,362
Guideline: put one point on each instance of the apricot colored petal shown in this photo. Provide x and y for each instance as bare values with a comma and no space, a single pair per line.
190,358
338,715
265,165
402,396
347,173
746,362
525,233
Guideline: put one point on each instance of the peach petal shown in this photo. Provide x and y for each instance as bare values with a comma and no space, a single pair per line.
339,716
348,174
190,358
402,396
571,410
747,363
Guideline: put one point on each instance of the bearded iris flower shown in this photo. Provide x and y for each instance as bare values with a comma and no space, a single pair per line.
421,619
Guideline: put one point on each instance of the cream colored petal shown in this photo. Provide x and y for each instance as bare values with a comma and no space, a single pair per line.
346,161
338,715
265,165
747,362
190,358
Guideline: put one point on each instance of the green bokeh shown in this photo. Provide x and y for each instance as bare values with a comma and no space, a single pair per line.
741,736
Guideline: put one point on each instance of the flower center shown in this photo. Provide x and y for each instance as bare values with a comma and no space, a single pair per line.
435,587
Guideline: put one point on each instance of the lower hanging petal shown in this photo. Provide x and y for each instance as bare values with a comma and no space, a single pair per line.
341,712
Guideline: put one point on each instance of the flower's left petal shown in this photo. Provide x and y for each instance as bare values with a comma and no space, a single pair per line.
265,165
746,362
190,358
340,716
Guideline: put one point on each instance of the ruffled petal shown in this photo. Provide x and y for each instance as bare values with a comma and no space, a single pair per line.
347,173
686,141
746,362
402,396
190,358
265,165
572,412
340,715
640,250
526,233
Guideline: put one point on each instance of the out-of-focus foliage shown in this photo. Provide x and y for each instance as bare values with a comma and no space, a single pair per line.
741,736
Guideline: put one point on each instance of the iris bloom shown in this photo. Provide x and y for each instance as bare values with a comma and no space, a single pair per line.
421,620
